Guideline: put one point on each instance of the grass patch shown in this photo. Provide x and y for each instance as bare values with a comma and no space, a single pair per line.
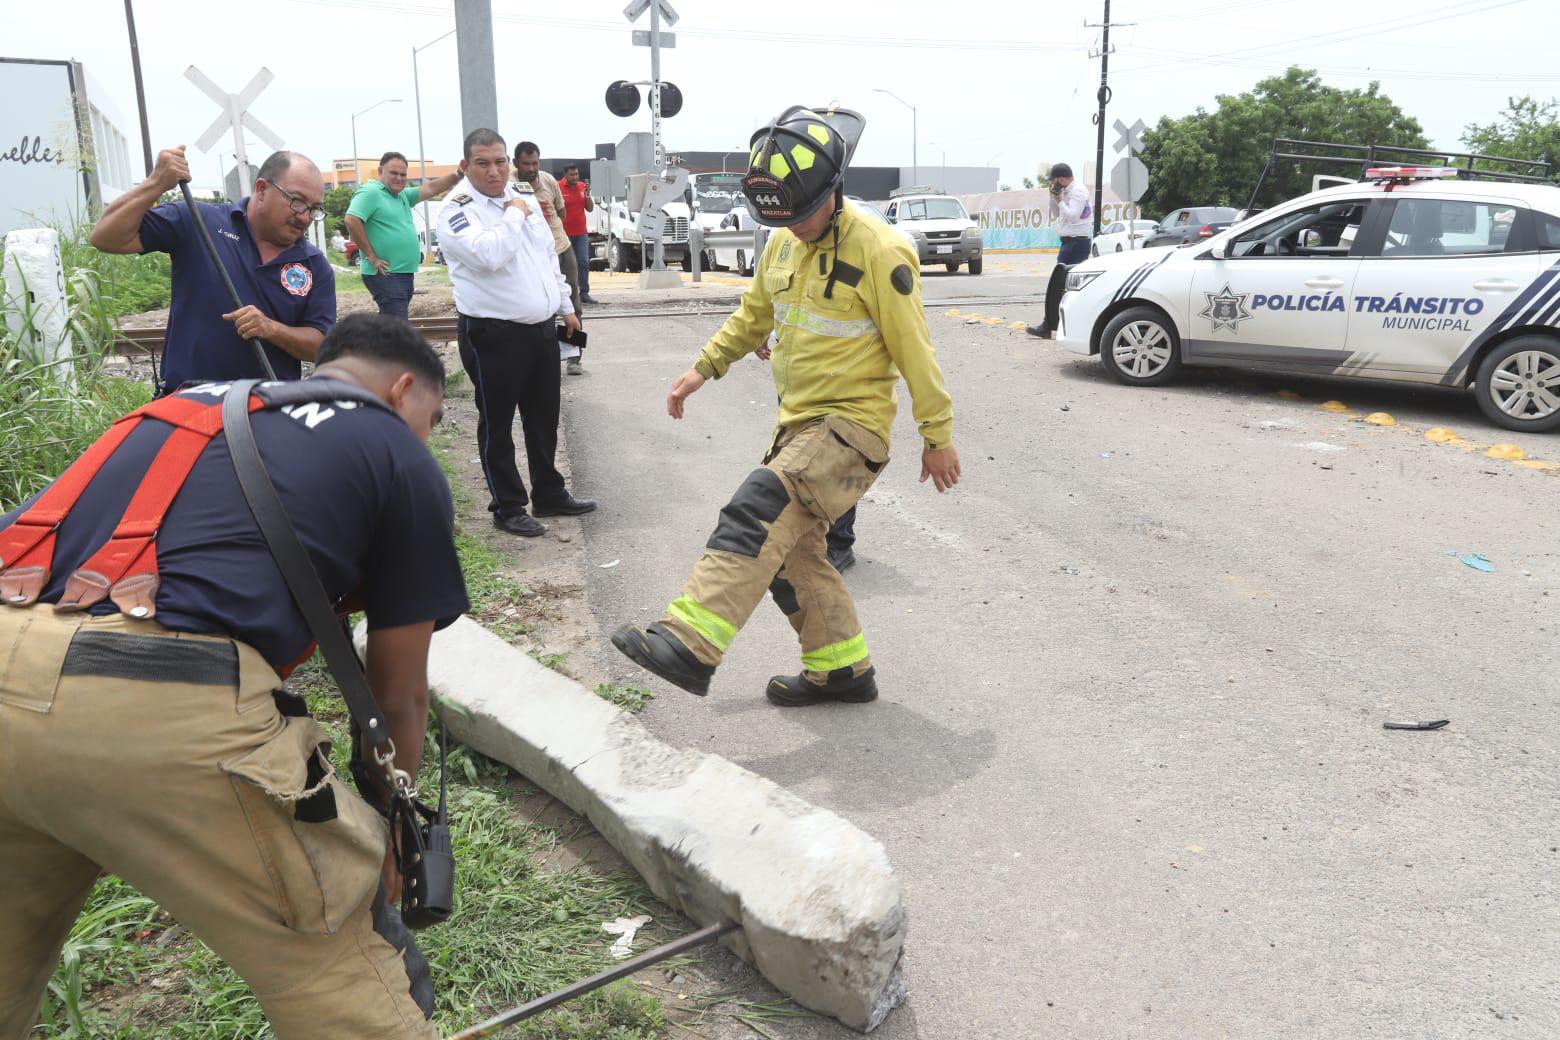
127,284
629,698
51,411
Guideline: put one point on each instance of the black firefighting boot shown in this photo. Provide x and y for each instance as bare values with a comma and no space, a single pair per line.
798,691
657,650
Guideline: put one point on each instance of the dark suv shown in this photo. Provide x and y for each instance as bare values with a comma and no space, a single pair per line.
1191,225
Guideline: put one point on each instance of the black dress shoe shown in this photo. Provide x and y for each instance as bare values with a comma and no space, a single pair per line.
568,505
796,691
522,524
656,650
1042,330
842,560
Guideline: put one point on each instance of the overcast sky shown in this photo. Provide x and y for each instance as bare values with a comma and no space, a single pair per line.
1006,83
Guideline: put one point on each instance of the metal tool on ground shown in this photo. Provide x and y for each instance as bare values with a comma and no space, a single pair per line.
1436,724
692,941
227,281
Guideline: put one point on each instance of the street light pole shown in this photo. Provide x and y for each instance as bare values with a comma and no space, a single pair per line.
915,161
943,187
422,151
357,173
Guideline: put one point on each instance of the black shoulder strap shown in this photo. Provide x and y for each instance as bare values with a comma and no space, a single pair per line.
303,581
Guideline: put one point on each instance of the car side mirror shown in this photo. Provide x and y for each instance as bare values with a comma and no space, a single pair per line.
1220,251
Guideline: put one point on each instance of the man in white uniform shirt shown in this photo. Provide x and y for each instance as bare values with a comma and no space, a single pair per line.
1073,218
509,294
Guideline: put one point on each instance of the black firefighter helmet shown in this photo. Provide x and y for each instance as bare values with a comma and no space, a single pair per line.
798,160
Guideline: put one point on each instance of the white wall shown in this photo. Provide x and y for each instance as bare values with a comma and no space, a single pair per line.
40,148
49,164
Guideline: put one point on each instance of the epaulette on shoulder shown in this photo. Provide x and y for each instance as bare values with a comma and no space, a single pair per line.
461,199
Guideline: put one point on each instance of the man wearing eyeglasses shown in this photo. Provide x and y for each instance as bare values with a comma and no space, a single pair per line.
286,284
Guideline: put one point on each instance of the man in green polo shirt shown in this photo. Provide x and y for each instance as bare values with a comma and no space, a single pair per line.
380,222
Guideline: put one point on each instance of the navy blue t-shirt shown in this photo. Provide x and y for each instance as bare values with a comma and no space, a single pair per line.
298,288
365,495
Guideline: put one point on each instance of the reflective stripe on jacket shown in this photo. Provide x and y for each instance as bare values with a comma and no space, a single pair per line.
842,348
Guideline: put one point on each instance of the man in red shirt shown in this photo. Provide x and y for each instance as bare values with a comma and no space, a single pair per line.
577,203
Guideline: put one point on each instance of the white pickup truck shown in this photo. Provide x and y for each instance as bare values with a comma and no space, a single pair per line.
619,228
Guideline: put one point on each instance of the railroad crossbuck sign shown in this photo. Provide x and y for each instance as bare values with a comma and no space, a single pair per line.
1129,177
235,116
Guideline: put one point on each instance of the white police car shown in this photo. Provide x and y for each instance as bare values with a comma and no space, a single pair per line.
1406,275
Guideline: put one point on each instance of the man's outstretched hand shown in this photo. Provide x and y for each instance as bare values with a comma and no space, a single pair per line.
686,384
942,465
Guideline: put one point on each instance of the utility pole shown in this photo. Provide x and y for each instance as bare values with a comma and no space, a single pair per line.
655,98
478,78
422,151
1099,117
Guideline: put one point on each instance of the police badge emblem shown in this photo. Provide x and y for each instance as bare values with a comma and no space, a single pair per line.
1226,309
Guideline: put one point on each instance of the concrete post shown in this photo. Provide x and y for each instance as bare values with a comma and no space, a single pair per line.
478,77
36,308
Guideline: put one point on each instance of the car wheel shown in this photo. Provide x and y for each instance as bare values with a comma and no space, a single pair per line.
1140,347
951,268
1518,384
1118,249
742,265
1094,250
977,265
616,261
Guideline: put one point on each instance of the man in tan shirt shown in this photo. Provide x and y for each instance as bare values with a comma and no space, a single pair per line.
528,168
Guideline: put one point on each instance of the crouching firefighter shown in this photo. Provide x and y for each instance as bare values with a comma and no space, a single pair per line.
150,611
842,294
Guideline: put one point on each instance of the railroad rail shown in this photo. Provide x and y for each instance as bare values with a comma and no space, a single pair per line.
442,329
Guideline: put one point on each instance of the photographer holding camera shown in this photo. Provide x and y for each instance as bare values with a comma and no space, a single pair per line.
1073,218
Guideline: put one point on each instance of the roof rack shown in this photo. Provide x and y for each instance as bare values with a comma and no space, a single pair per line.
913,189
1467,165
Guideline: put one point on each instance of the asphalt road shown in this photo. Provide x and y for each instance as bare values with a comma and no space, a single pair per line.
1129,756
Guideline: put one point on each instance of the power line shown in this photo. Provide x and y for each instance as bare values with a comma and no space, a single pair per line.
1202,14
1371,70
1398,22
747,35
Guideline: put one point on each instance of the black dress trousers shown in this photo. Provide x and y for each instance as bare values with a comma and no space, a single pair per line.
514,366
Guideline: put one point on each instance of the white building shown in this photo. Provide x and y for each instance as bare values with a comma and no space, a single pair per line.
63,153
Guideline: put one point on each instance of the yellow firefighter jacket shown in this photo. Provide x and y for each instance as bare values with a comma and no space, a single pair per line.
847,328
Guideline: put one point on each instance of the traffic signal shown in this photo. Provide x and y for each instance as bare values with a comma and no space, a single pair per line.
671,100
623,98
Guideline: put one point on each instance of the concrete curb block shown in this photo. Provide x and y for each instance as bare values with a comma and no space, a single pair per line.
817,899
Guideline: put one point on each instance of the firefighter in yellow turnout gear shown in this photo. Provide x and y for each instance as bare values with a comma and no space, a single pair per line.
842,294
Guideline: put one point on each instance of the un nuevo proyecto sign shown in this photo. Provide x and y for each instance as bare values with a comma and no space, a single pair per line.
42,180
1022,219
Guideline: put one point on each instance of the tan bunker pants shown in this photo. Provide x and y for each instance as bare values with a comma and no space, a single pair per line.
164,759
771,537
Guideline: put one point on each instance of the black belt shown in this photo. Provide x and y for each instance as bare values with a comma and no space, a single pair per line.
122,655
1074,238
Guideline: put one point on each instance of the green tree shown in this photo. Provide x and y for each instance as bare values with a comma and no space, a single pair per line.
1029,182
336,202
1214,158
1527,129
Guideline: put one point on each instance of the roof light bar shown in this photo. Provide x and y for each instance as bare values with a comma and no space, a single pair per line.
1407,173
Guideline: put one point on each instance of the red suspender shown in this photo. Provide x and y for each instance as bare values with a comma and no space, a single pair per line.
125,567
27,546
